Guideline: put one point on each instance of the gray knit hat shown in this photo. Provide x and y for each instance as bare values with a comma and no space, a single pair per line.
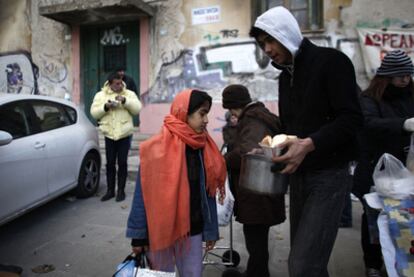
396,63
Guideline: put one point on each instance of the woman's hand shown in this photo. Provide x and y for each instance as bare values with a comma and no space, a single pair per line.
210,245
138,249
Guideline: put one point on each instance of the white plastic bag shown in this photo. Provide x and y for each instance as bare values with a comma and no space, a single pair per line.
145,272
225,211
410,156
392,179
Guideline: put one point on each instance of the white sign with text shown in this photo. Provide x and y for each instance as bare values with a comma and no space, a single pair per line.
205,15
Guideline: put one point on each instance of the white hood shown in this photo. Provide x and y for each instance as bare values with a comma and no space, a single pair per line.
282,25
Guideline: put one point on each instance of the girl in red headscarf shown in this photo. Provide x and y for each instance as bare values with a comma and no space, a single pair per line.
174,206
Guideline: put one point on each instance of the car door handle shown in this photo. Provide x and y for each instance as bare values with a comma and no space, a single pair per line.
39,145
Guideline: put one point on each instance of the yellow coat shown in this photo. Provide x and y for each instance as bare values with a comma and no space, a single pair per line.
115,123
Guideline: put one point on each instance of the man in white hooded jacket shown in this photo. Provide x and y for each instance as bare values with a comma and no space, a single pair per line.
318,103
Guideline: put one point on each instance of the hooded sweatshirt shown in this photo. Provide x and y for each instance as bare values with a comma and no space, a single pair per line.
317,93
282,25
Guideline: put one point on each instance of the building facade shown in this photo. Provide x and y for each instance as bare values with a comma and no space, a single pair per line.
66,48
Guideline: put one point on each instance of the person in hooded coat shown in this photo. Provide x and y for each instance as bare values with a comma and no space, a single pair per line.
256,212
318,103
388,108
113,108
174,206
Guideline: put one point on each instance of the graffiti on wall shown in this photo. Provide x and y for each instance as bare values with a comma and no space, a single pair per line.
211,68
18,74
113,37
53,68
223,34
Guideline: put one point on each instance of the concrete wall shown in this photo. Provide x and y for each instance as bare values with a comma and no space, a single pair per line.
15,26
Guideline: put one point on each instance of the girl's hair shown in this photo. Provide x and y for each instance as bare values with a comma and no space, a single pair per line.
378,85
197,99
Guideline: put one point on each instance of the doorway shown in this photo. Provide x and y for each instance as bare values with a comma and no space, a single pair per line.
104,49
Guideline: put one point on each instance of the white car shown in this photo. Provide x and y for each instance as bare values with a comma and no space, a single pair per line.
47,147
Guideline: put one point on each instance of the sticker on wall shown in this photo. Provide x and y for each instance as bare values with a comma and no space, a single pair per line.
205,15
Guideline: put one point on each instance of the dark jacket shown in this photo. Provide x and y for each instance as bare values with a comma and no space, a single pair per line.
255,122
382,133
318,99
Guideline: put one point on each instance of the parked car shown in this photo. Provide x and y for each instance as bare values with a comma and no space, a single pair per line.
47,147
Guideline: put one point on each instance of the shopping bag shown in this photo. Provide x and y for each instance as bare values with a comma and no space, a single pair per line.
145,271
410,156
392,179
225,211
128,268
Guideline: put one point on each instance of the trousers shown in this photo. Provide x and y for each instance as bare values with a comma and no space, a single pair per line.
117,152
317,199
186,255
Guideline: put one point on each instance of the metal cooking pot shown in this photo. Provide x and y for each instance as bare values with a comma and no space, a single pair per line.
256,176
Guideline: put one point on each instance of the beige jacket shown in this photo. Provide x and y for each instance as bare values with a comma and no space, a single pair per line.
115,123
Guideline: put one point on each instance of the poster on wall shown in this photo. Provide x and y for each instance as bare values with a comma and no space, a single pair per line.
375,43
205,15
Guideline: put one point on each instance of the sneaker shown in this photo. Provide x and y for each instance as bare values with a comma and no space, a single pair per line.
372,272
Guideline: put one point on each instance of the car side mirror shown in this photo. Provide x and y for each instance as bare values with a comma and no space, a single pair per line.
5,138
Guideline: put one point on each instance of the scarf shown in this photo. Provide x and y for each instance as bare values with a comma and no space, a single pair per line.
164,178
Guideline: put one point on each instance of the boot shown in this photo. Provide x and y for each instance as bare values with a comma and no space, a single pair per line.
109,194
110,180
122,176
120,195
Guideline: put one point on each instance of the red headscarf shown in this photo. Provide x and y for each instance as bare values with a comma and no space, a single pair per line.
164,178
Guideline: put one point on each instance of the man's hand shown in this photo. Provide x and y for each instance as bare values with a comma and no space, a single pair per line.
297,151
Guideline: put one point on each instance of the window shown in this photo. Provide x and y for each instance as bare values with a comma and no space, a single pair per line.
72,114
13,120
51,116
309,13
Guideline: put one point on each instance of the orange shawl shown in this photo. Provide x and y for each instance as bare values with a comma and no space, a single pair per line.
164,178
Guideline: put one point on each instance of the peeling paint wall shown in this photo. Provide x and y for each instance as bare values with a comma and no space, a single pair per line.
33,50
15,26
206,56
51,51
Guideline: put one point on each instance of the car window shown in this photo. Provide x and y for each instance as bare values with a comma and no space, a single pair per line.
13,120
72,114
51,115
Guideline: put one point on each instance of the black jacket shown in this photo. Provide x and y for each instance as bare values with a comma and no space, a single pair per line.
382,133
318,99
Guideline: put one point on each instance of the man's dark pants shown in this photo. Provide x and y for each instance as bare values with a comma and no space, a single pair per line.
117,150
316,202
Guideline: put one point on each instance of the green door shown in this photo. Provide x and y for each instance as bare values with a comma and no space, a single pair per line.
105,48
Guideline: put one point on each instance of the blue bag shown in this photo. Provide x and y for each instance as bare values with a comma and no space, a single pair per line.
128,268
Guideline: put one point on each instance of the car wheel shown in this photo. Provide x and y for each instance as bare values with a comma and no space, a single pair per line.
88,182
